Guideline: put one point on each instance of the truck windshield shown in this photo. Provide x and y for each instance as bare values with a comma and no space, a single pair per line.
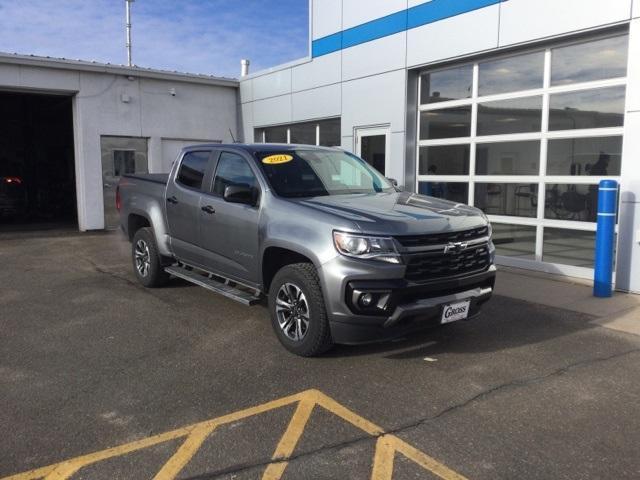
312,173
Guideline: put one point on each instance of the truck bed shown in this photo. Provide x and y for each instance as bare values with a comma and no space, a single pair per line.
161,178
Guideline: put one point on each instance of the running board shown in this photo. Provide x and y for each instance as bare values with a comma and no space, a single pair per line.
209,282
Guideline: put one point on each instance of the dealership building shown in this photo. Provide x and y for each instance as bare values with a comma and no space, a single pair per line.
519,107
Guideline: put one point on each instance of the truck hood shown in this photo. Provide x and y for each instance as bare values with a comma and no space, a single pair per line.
398,213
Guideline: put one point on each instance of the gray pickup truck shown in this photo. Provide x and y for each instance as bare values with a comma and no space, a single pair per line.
340,253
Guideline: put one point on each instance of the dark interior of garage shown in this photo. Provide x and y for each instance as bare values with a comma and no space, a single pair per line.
37,176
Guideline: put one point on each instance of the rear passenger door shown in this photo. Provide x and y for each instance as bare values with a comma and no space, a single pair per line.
229,231
184,192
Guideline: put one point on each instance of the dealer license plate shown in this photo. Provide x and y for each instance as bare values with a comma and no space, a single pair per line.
455,311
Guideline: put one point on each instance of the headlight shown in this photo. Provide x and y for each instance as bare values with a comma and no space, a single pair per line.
489,227
362,246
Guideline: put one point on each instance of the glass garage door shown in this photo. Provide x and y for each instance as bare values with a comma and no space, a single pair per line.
527,138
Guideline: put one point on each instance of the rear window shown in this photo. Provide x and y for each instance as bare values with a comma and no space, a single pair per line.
192,169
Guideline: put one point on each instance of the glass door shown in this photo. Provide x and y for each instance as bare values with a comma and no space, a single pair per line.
372,145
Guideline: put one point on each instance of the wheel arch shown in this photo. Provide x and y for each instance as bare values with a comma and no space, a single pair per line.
274,257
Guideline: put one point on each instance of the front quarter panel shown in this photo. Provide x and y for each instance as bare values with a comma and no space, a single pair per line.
287,224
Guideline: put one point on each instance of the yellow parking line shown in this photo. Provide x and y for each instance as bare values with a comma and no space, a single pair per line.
356,420
386,448
290,438
196,434
84,460
185,453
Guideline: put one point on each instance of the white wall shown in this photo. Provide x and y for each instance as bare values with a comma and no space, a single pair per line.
338,84
197,112
524,20
628,274
366,84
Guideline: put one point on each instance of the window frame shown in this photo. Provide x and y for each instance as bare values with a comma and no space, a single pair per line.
288,126
543,136
113,158
210,190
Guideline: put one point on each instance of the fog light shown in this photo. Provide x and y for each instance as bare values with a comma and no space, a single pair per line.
366,300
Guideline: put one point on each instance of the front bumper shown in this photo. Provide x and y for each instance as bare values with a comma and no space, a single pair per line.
409,306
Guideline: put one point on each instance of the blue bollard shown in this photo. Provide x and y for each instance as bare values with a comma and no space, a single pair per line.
605,235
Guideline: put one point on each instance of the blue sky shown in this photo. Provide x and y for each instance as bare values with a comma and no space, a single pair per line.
198,36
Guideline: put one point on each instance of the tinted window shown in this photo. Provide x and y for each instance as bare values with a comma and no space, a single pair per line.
514,199
444,160
589,61
451,84
233,170
523,72
514,240
508,158
192,169
275,135
330,133
519,115
569,247
603,107
303,133
598,156
571,202
124,161
446,123
454,191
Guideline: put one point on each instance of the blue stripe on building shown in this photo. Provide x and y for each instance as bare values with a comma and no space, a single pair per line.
413,17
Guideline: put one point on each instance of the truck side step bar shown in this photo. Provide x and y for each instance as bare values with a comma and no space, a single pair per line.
224,286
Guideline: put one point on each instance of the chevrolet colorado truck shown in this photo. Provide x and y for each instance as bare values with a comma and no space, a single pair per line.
340,253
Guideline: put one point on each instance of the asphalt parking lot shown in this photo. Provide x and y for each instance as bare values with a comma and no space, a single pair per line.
102,379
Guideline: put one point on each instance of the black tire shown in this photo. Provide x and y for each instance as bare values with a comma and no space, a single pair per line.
316,338
143,247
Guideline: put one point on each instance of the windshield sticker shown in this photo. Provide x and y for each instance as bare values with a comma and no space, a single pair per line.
276,159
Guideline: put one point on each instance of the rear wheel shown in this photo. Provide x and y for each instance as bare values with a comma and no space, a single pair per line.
146,259
297,309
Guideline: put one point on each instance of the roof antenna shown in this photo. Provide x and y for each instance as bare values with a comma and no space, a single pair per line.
232,137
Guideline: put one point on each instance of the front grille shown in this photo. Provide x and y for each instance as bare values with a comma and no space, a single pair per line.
429,266
442,238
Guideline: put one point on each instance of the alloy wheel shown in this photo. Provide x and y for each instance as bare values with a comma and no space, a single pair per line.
292,310
142,258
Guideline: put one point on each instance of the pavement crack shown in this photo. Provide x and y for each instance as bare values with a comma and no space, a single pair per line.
97,268
404,428
104,271
523,382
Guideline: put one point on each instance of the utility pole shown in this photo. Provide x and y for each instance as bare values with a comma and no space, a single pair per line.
128,26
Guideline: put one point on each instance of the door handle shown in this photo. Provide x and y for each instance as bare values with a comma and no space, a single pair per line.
208,209
173,200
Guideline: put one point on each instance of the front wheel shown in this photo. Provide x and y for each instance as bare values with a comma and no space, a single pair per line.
297,309
146,259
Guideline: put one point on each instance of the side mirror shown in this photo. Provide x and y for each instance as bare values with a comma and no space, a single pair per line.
241,194
394,182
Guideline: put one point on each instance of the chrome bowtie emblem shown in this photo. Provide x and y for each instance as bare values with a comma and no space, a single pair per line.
455,247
